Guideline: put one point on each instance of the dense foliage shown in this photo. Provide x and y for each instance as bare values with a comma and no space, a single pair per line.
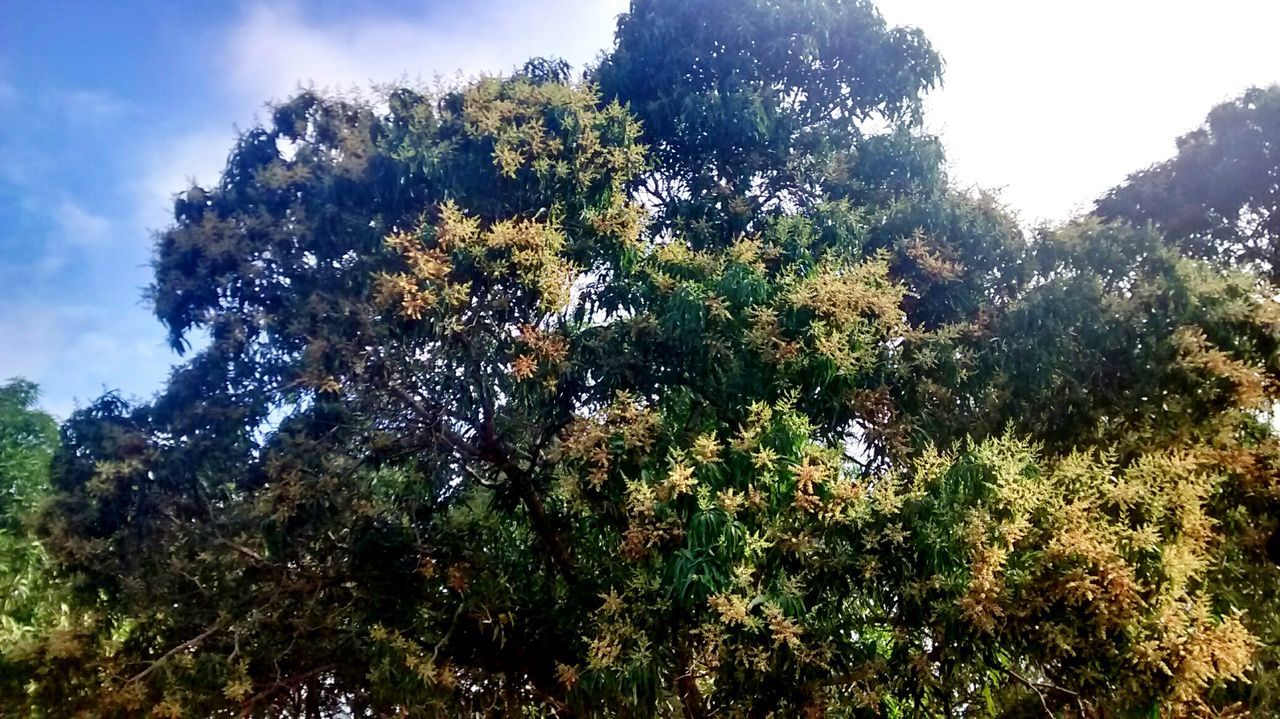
691,388
29,603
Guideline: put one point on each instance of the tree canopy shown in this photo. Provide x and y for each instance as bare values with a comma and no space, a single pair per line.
688,388
1219,197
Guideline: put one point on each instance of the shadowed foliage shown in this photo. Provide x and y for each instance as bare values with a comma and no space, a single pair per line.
689,389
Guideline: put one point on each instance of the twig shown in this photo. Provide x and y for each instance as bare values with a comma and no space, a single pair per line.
452,625
457,441
180,648
280,684
1036,686
1032,686
241,549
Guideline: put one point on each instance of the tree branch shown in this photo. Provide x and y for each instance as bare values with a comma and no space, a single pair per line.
180,648
544,528
281,684
241,549
494,453
437,421
1037,686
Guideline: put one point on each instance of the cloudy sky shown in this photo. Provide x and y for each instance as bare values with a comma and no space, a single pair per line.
107,109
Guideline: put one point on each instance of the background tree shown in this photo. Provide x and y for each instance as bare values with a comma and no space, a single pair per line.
749,106
1219,197
28,604
694,398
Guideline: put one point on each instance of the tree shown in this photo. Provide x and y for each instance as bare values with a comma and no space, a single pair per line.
541,397
1219,197
28,438
749,106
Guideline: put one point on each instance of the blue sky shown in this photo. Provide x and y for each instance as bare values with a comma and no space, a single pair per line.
108,108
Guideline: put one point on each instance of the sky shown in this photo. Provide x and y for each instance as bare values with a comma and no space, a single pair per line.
108,109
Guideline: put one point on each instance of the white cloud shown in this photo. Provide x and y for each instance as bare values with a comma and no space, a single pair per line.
76,352
1057,102
78,226
88,107
74,230
276,47
33,335
172,166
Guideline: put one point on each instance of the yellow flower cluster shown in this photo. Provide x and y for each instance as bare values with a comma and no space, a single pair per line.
540,349
1248,384
586,439
1103,552
442,260
525,122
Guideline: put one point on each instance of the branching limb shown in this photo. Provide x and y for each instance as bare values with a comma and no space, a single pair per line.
1037,686
190,643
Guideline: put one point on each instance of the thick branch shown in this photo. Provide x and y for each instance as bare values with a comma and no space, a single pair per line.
241,549
282,685
522,481
437,420
690,697
686,686
546,530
